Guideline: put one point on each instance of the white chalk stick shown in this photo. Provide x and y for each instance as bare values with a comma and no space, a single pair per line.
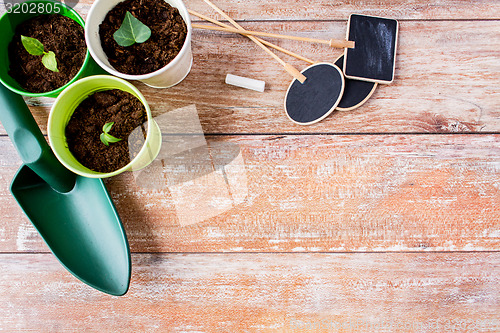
245,82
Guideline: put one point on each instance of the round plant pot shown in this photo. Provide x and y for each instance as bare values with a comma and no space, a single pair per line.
63,109
170,75
25,11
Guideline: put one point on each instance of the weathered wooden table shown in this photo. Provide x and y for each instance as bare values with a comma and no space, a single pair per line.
385,218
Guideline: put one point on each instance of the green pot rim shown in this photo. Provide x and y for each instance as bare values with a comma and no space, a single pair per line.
68,12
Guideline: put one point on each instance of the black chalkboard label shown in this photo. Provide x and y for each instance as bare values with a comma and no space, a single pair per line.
309,102
373,57
356,92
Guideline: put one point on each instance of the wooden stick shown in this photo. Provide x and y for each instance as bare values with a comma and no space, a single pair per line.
265,42
332,42
289,68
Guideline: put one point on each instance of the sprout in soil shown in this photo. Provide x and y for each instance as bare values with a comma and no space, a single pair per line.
35,47
107,138
131,31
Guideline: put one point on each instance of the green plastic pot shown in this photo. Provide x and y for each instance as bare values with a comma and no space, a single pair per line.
63,109
25,11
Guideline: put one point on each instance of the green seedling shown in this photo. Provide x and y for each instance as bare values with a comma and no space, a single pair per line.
131,31
36,48
107,138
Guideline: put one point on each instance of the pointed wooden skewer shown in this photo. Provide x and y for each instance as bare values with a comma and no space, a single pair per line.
332,42
289,68
265,42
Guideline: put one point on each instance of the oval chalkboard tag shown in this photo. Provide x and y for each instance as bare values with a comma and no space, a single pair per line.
356,92
317,97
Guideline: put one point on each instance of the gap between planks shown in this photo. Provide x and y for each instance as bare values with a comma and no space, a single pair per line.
284,134
342,20
440,252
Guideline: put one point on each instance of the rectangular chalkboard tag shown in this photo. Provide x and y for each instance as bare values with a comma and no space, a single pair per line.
373,57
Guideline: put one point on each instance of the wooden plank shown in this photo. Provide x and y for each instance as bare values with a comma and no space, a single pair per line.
446,79
442,292
326,10
303,193
283,10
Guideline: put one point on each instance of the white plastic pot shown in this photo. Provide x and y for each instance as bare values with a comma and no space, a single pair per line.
173,73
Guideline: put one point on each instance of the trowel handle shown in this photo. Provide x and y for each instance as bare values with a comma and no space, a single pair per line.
30,143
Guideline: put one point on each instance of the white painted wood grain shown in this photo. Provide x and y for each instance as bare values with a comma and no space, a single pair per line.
261,293
326,10
313,193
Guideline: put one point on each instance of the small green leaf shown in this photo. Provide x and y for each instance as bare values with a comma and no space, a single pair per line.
131,31
103,139
107,138
107,127
32,45
111,138
49,61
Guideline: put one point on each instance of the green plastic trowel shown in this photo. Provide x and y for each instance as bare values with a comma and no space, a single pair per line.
74,215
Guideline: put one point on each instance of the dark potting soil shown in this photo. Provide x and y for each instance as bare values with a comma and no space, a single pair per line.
168,33
59,34
85,127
